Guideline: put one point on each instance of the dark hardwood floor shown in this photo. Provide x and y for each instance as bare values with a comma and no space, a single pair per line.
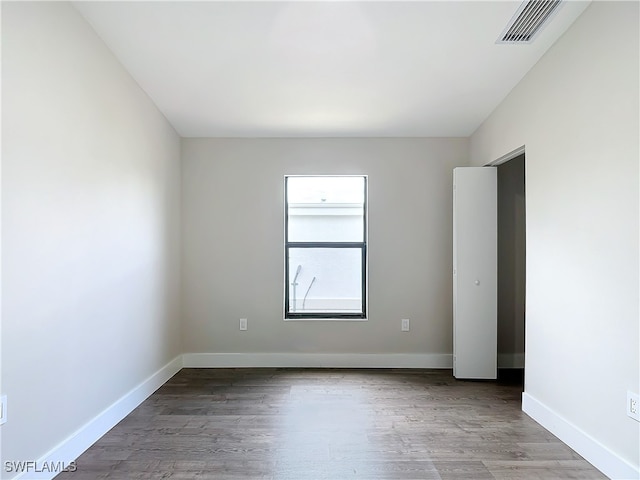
333,424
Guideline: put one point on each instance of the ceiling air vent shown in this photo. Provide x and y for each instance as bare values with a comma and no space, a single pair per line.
528,21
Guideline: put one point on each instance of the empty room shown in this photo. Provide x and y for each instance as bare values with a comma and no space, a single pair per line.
320,240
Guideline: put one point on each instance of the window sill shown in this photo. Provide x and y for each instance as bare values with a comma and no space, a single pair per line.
325,319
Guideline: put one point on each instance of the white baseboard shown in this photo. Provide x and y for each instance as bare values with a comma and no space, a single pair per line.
511,360
71,448
593,451
318,360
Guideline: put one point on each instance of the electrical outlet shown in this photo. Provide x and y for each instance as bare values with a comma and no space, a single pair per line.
405,325
3,409
633,406
243,324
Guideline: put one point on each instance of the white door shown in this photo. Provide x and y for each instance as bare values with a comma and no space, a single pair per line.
475,272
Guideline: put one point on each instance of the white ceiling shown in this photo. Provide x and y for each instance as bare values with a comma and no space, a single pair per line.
322,69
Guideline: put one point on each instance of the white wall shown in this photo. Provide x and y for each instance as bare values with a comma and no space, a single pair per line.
90,222
1,389
577,113
233,243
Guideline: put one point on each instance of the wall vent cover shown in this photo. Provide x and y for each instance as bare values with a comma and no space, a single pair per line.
528,21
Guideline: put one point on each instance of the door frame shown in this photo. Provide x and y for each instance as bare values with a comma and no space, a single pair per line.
494,163
505,158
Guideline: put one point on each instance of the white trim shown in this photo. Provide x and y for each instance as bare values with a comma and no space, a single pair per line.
593,451
73,446
318,360
505,158
339,305
511,360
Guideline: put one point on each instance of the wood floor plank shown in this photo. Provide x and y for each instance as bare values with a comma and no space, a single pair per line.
314,424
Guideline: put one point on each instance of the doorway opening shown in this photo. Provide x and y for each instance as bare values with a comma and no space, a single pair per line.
511,269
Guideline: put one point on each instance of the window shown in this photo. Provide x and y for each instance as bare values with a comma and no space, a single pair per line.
325,247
